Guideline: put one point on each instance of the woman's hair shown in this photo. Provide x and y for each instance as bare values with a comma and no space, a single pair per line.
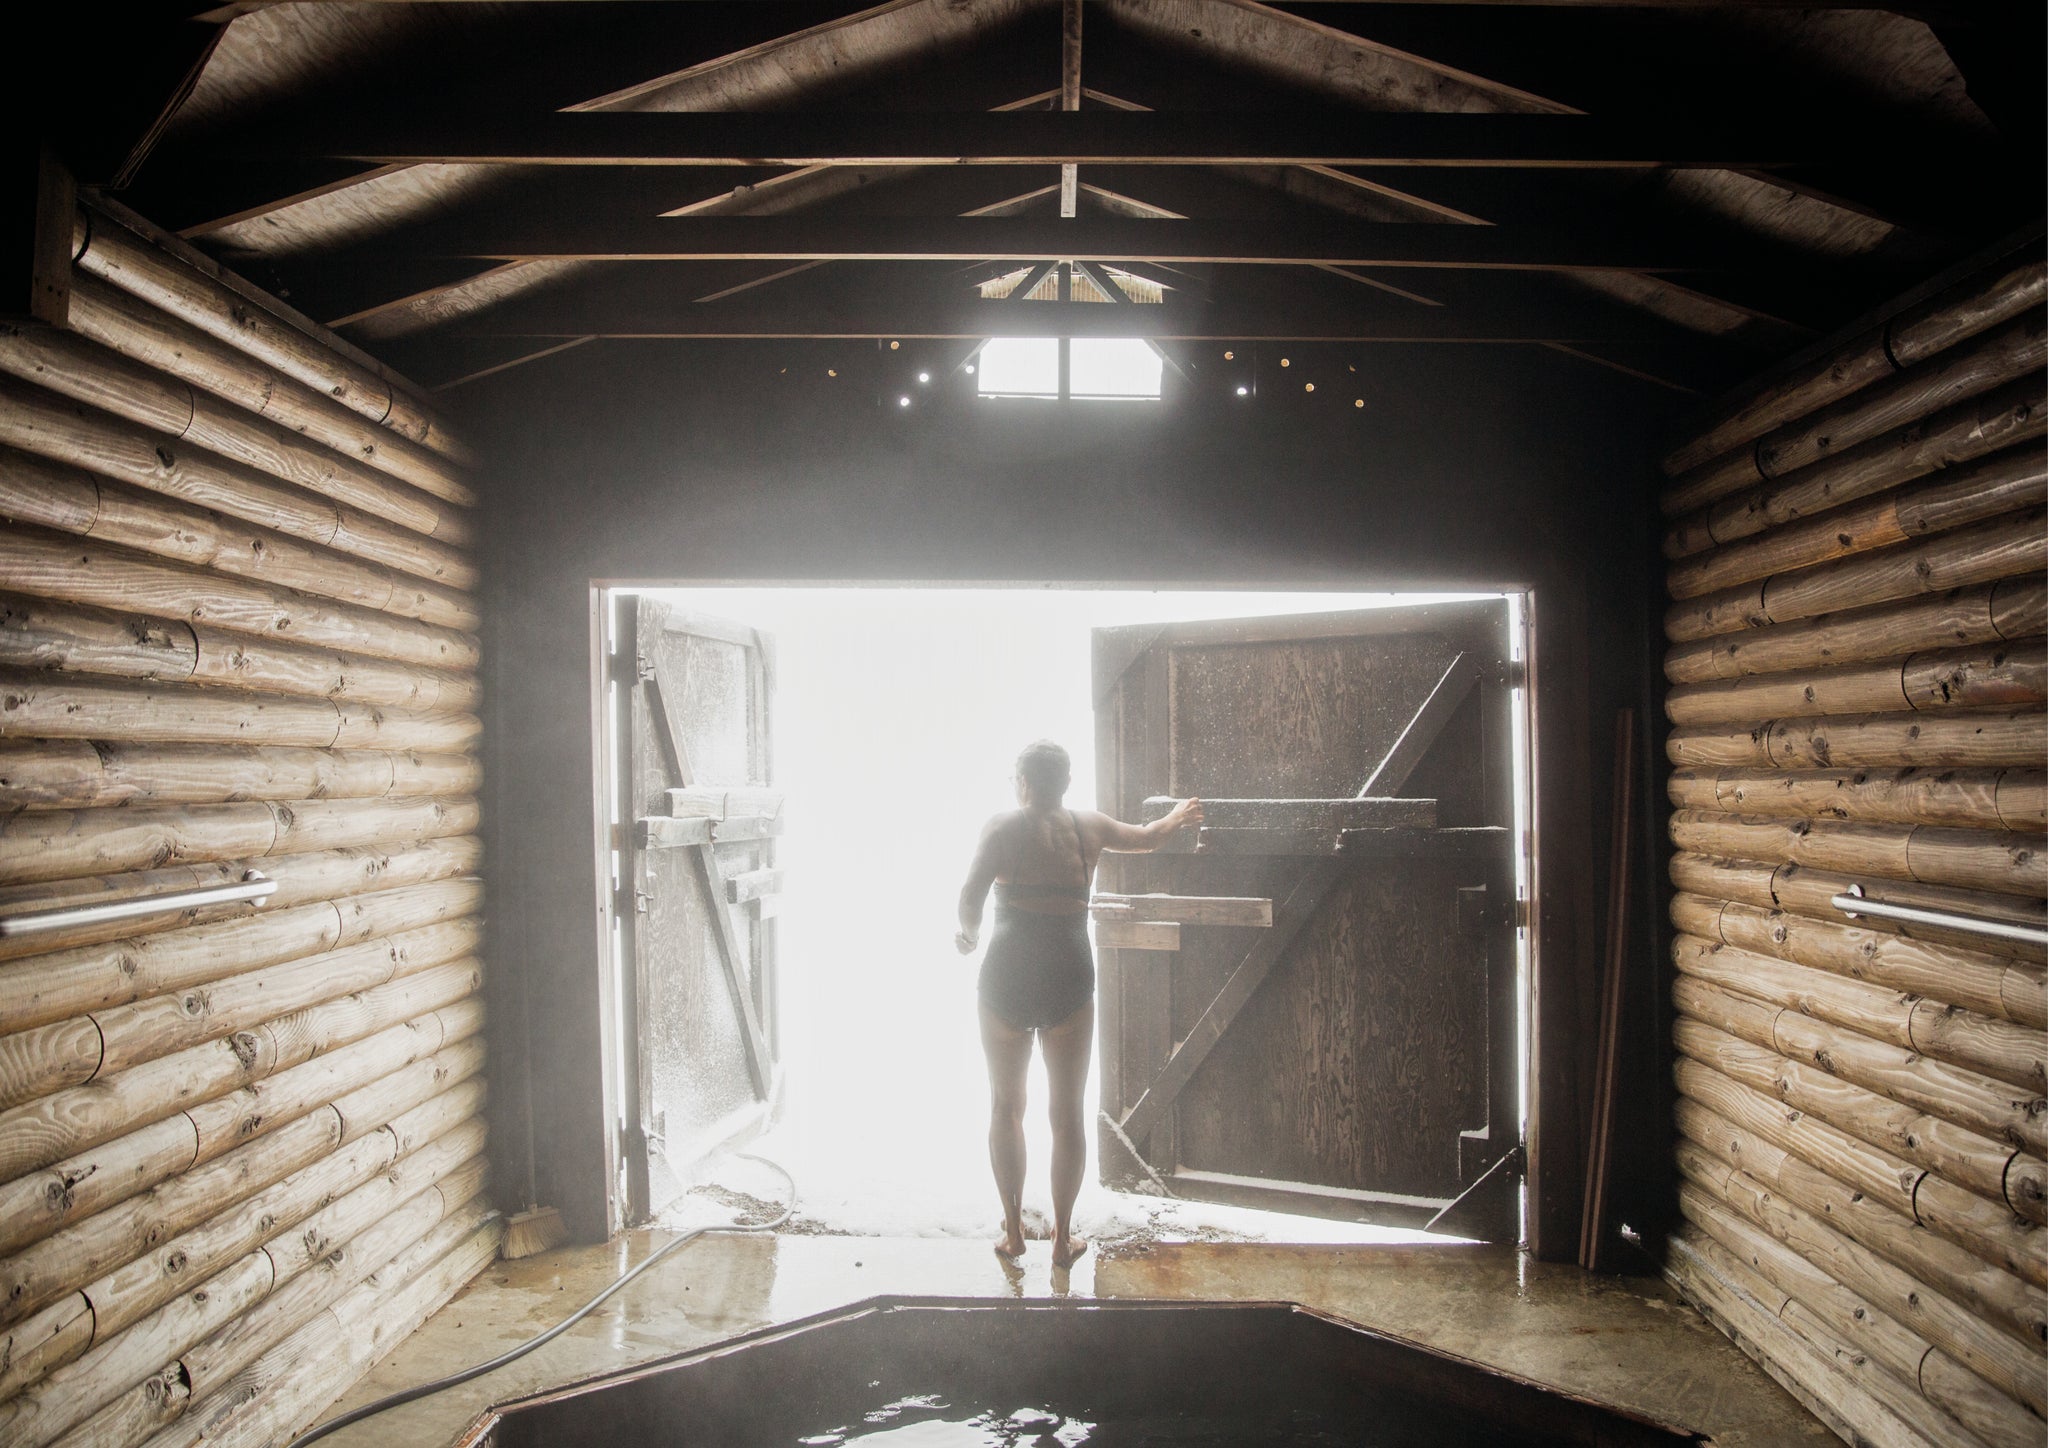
1045,768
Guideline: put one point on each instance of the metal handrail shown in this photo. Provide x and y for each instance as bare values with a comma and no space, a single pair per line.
1852,903
252,886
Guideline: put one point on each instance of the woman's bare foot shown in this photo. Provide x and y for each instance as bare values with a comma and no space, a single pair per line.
1068,1252
1011,1246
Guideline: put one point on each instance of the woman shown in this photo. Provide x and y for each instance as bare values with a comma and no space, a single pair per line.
1039,976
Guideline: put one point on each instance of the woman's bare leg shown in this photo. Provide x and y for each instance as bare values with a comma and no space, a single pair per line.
1009,1065
1067,1048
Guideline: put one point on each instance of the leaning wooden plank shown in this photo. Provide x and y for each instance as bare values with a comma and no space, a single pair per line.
753,885
1307,814
1137,934
1238,910
1295,911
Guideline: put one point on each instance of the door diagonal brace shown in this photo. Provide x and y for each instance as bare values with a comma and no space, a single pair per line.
1251,972
758,1066
1422,731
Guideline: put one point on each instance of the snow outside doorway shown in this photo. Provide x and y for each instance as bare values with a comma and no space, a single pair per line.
898,715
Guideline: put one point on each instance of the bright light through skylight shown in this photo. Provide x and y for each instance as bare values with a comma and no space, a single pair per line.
1020,367
1113,367
1098,368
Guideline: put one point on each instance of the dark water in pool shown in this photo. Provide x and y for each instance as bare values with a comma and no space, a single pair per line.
940,1421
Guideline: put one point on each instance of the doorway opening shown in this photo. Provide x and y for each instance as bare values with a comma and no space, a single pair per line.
796,779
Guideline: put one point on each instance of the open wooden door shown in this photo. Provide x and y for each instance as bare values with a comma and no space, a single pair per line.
1356,1057
697,892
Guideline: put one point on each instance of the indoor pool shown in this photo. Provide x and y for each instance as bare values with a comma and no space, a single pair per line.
972,1373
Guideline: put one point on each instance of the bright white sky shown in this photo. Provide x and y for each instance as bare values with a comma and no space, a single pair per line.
898,715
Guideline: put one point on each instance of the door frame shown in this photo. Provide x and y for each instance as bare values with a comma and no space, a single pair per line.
1557,944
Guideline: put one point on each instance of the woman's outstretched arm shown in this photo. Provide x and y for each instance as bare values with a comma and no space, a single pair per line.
1141,839
981,873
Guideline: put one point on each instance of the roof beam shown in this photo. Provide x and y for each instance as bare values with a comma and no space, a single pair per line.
1106,137
899,302
1334,241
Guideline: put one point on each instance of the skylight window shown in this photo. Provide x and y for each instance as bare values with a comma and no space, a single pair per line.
1020,367
1081,369
1113,368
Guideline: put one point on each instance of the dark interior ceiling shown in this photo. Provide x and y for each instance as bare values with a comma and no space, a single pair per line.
1685,192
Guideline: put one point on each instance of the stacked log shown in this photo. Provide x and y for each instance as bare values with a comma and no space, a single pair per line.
1858,675
241,1146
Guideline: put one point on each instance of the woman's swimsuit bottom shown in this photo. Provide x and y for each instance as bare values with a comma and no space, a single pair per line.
1038,969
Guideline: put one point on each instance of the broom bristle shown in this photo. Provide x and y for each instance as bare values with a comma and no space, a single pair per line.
535,1230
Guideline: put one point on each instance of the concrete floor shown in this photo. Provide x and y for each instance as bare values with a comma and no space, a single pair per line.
1626,1341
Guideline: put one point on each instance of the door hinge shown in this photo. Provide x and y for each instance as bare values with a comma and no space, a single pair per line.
1515,673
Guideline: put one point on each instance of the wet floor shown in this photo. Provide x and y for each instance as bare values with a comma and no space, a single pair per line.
1625,1341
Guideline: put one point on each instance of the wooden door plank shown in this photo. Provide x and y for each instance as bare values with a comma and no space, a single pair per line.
1161,935
1307,814
759,1067
717,801
1423,729
1251,972
662,832
753,885
1238,910
1469,842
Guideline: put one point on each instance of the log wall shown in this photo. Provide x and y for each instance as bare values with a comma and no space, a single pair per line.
1857,673
241,1147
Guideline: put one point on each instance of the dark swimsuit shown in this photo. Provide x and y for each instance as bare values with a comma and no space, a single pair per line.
1038,969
